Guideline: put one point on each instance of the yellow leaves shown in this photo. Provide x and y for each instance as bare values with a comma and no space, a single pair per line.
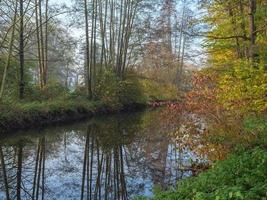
223,56
160,91
244,88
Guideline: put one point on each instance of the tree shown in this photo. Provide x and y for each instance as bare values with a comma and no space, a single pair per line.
21,51
11,42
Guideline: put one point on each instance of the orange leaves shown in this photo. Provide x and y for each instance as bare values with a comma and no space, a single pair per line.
202,99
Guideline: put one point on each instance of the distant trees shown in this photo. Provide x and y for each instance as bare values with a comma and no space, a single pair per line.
114,40
108,27
42,40
108,41
167,46
10,49
29,42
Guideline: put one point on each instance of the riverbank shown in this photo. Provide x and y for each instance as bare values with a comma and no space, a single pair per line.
242,175
16,116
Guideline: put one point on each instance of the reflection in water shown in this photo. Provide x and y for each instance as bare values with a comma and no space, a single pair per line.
116,157
102,171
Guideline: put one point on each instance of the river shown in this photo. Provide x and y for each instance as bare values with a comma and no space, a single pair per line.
109,157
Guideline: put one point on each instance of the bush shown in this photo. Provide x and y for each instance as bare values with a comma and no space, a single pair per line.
159,91
113,91
257,126
49,92
108,87
131,91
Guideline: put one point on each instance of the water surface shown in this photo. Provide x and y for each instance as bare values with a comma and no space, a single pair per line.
112,157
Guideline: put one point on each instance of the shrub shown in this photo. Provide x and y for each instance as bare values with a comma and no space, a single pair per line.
107,87
50,91
113,91
257,126
131,91
159,91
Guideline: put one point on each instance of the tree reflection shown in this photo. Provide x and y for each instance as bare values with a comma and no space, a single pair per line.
114,157
11,165
103,174
3,164
39,170
17,174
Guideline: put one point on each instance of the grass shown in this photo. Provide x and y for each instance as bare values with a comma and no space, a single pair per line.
55,103
21,115
241,176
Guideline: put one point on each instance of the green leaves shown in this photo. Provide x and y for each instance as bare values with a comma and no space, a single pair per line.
240,177
111,90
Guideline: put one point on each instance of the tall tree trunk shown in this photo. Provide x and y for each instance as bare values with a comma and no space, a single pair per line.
87,59
235,31
112,35
103,25
92,50
244,52
95,48
118,67
38,44
9,51
130,20
181,66
180,46
21,52
42,44
252,29
46,44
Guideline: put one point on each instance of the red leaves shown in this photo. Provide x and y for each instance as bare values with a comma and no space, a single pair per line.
202,99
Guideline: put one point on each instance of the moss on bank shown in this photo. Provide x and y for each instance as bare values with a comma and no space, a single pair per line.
15,116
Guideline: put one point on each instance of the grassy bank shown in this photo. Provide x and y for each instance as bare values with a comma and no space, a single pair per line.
56,103
23,115
242,175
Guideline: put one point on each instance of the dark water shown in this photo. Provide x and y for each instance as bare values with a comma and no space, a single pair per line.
112,157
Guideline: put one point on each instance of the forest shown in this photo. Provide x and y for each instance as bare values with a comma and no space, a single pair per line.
68,60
